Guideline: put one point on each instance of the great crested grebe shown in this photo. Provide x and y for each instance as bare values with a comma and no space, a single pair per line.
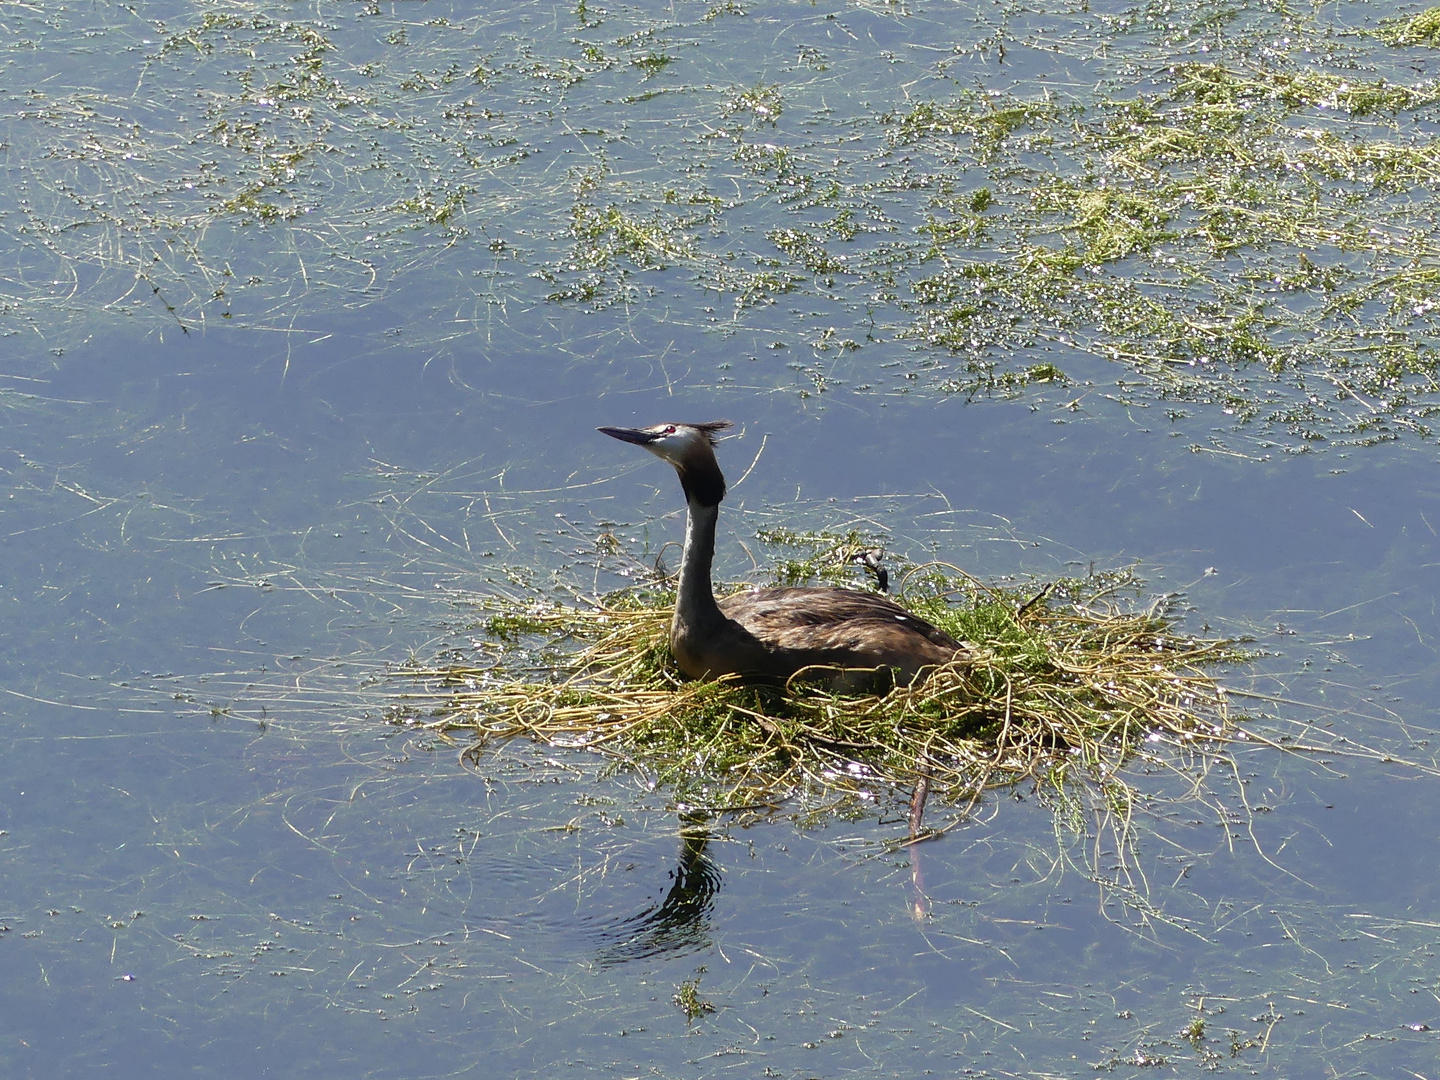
773,633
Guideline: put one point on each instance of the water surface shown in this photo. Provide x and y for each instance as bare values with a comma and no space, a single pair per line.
253,456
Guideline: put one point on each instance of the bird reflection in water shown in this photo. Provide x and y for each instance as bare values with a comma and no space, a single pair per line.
680,923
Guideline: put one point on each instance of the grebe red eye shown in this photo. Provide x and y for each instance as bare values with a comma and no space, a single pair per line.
669,429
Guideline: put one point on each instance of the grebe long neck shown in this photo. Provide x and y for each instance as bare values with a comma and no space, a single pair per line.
691,449
695,605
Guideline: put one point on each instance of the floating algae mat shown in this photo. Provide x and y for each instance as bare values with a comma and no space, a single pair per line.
1209,210
1066,682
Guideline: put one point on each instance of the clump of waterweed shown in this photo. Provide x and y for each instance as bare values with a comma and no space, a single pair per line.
1422,28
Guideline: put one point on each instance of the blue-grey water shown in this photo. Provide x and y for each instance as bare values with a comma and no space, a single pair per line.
250,460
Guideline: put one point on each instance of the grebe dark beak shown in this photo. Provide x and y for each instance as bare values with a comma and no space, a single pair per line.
630,435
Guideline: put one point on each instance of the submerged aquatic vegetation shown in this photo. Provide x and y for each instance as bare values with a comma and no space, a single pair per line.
1065,683
1422,28
688,1000
1231,206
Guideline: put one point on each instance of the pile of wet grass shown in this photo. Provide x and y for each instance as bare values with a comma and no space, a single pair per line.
1063,683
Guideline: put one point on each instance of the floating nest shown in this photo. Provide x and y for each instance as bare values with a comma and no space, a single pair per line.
1064,681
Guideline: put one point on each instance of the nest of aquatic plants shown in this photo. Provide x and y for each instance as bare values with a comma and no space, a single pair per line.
1062,680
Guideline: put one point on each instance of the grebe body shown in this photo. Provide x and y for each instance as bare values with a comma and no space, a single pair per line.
772,634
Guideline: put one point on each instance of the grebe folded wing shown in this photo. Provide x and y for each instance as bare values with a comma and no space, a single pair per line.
857,629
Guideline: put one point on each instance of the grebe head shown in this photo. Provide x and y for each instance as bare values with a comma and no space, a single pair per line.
689,447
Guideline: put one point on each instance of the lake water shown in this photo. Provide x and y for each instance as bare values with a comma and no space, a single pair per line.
309,316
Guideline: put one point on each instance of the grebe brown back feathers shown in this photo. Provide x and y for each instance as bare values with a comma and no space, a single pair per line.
772,633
